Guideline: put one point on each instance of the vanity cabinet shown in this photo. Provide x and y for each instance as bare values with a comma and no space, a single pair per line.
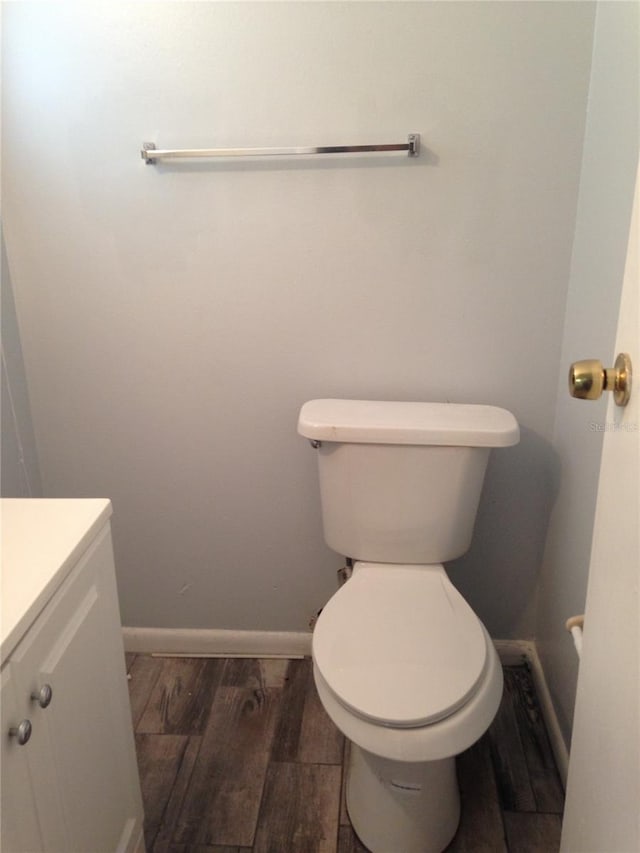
71,785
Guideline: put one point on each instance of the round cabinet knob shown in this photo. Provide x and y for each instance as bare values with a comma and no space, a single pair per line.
588,379
22,732
43,696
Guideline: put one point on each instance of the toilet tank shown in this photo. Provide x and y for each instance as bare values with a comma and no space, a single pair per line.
400,482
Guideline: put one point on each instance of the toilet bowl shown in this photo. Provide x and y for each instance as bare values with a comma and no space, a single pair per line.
408,673
402,665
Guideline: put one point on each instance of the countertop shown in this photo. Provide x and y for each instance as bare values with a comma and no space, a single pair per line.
42,539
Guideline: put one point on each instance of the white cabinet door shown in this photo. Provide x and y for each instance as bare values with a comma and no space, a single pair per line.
20,830
75,647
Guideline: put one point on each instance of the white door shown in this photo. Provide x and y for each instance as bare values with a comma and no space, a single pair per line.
602,810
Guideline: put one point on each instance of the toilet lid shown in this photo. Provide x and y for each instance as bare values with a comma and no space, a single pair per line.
399,645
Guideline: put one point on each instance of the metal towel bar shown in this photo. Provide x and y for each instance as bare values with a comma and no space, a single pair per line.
150,153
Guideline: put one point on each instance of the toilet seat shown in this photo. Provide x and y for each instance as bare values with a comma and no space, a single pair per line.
399,646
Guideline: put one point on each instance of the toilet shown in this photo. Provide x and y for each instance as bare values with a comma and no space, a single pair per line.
402,665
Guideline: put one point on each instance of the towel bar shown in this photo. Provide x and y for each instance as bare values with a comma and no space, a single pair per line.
150,153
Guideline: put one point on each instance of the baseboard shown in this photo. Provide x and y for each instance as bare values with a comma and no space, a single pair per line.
513,652
210,642
139,845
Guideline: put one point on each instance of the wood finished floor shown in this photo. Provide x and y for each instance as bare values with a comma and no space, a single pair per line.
238,755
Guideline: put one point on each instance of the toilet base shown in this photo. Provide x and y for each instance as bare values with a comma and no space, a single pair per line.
402,807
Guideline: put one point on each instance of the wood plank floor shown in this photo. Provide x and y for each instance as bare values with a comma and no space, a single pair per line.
238,755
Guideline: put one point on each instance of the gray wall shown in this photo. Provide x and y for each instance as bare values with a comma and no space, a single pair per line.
597,266
19,472
175,317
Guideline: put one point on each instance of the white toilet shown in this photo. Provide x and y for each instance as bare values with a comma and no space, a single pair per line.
402,664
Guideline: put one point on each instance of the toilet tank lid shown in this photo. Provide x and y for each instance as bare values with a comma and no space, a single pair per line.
385,422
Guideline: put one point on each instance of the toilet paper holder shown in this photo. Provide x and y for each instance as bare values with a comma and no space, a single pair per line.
575,626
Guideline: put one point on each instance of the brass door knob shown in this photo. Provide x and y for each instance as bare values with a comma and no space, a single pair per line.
588,379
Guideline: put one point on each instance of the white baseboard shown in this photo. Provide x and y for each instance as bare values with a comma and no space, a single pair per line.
513,652
139,847
210,642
